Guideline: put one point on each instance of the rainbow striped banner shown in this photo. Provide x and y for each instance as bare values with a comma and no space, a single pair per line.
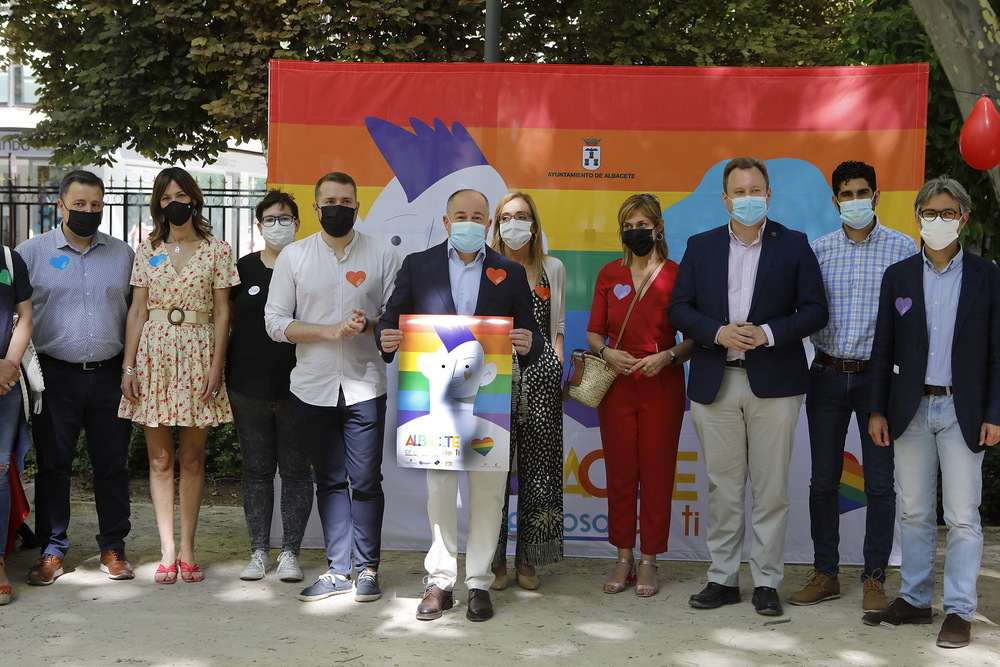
453,399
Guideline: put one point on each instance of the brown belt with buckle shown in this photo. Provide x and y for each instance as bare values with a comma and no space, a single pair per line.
935,390
843,365
177,316
737,363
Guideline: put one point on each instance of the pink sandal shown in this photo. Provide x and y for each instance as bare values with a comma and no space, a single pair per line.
191,573
166,575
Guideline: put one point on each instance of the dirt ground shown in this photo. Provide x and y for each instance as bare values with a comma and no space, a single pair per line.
86,619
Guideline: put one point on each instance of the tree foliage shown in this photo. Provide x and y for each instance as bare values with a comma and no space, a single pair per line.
883,32
176,80
697,32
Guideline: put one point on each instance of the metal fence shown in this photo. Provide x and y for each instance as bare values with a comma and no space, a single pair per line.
29,210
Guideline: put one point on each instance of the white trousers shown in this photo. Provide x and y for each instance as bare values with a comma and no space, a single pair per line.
486,496
743,437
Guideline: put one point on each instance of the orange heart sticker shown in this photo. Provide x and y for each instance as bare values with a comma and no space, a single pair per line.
496,276
356,277
543,292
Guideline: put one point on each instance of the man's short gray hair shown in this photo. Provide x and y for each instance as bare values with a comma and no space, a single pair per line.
943,185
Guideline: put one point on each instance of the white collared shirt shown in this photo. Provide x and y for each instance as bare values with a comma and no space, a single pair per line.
744,258
311,285
465,279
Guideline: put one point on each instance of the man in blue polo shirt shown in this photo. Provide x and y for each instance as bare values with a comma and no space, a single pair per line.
80,299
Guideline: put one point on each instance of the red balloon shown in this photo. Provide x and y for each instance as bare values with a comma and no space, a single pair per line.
980,138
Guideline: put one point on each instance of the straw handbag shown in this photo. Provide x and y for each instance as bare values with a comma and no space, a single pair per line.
32,383
590,376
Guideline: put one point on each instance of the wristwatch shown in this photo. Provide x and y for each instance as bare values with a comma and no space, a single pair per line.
673,358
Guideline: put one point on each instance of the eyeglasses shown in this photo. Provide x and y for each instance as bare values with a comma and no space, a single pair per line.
520,216
948,214
283,220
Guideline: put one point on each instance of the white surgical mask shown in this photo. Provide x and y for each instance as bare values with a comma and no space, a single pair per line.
277,237
938,234
749,210
856,213
516,233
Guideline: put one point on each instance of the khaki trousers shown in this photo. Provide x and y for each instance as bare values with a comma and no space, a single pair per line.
743,437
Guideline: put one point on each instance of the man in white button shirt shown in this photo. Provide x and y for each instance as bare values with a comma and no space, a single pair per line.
326,295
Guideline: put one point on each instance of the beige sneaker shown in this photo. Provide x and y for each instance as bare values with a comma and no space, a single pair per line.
874,598
819,588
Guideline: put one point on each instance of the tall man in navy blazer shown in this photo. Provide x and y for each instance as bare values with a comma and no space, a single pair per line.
935,379
747,293
462,276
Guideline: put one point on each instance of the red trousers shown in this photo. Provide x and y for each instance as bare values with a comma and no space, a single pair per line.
640,419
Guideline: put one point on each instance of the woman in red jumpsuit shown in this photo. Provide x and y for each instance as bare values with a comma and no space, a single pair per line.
640,416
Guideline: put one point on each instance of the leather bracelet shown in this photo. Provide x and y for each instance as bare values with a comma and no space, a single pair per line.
600,352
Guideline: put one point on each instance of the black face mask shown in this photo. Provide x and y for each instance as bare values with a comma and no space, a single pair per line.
177,213
639,241
84,223
337,220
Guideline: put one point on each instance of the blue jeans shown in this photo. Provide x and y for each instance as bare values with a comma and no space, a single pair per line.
10,407
834,397
934,438
344,445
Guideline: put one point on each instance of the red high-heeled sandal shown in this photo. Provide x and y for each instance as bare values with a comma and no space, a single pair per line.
165,574
191,573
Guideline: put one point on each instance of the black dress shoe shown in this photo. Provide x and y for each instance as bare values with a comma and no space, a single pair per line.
435,602
899,611
714,596
766,602
480,607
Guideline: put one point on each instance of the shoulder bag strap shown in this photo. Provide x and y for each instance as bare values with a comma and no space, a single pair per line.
638,295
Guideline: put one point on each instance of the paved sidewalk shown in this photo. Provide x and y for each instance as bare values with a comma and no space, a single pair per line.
86,619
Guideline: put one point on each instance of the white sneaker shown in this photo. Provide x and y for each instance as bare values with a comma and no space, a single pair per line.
288,567
259,563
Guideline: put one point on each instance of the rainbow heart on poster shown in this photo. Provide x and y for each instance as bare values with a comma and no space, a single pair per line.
482,446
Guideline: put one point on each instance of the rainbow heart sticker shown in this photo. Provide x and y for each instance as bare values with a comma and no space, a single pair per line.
482,446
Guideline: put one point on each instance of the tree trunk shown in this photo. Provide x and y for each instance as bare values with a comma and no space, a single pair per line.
966,38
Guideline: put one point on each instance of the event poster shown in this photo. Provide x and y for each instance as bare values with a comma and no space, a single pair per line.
580,139
453,400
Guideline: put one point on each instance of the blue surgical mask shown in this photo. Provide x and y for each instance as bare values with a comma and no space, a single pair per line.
749,210
468,236
856,213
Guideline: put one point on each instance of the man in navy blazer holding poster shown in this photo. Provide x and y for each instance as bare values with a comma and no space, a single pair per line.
935,380
462,276
747,292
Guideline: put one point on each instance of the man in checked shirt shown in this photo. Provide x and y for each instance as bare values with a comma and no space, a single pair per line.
852,260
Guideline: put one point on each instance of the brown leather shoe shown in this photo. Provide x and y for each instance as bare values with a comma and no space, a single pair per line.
819,588
874,598
480,606
435,602
900,611
46,570
115,565
955,632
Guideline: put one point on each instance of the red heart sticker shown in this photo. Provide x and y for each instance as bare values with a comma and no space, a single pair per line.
543,292
356,277
496,276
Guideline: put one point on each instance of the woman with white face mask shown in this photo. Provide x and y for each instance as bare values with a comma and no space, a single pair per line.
257,371
536,427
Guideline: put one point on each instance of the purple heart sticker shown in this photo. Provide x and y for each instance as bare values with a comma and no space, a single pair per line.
903,305
156,260
622,291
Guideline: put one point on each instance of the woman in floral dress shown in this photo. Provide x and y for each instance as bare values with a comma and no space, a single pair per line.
175,350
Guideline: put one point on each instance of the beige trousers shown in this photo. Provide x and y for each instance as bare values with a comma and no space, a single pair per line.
746,437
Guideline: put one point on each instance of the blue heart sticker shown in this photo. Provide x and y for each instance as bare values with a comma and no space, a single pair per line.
60,262
156,260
